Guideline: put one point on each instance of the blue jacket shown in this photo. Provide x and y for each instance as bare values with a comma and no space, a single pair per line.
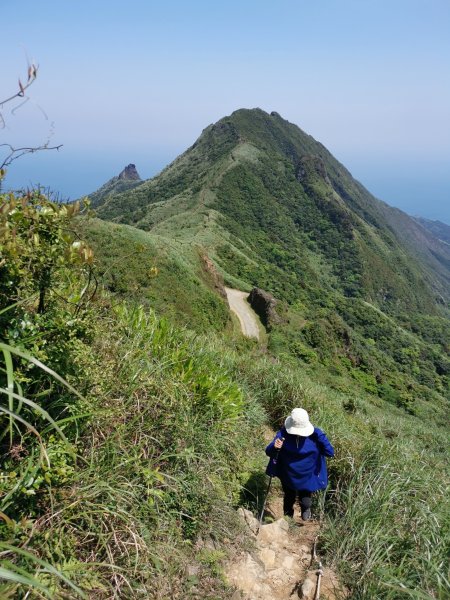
301,461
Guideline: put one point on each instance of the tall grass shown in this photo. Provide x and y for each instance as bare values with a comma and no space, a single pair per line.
158,468
164,454
386,525
19,566
170,436
389,529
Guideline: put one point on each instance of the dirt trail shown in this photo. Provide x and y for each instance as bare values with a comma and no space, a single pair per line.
242,309
283,565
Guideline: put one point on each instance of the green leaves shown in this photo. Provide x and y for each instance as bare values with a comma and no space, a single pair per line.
12,572
215,395
36,241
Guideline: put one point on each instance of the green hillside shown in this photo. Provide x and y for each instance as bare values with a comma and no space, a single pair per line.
132,412
366,289
163,274
437,228
251,168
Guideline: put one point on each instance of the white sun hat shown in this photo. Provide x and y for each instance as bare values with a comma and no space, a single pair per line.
298,423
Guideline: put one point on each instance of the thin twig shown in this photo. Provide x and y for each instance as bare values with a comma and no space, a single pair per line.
16,153
32,74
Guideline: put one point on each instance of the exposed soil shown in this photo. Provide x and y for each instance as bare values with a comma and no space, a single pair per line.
283,565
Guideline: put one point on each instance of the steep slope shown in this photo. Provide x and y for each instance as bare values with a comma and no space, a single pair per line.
365,288
174,280
437,228
430,251
127,179
256,172
125,488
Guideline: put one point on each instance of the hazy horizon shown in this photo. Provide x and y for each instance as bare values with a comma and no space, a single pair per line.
385,185
138,84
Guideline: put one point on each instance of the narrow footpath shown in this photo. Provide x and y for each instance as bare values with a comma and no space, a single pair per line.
283,564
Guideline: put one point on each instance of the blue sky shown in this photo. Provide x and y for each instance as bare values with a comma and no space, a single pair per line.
138,81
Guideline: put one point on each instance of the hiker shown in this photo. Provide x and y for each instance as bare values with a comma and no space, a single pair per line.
300,461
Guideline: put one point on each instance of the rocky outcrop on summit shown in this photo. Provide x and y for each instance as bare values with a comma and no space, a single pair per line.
264,305
290,207
130,173
127,180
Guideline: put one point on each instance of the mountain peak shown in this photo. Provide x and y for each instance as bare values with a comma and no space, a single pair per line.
130,173
127,179
271,185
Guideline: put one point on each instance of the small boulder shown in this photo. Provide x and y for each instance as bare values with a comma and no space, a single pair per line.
192,571
248,518
308,589
280,577
288,562
275,532
264,305
247,574
268,557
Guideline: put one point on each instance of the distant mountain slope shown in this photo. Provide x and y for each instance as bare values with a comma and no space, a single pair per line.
437,228
364,289
255,189
430,251
126,180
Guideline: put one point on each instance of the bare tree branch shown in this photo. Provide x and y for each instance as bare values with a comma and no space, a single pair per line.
32,74
15,153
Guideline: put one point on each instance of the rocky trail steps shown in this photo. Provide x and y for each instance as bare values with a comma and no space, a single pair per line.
283,564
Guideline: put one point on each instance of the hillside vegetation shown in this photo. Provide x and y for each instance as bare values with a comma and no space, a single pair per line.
132,411
437,228
366,289
169,276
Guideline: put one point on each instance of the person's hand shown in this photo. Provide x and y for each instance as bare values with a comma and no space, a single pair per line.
278,443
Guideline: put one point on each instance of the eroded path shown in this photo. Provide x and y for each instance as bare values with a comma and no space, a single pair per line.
283,564
242,309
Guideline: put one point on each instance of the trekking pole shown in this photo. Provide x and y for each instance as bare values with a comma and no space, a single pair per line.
314,553
268,490
319,577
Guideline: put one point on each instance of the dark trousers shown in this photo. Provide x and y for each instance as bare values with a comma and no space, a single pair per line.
289,500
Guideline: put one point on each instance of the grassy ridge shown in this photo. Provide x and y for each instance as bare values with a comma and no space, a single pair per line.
251,162
159,459
124,484
365,290
164,274
169,439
